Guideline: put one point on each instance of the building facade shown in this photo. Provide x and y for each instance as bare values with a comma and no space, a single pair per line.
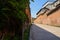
50,14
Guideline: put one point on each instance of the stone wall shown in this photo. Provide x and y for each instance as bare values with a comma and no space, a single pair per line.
52,19
55,18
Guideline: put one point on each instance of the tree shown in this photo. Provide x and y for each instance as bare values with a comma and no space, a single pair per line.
12,17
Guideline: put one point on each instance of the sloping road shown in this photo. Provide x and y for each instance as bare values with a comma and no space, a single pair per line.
43,32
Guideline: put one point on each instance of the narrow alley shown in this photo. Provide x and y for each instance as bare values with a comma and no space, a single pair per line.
44,32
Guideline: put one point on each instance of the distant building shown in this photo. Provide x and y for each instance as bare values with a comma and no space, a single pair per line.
49,14
51,5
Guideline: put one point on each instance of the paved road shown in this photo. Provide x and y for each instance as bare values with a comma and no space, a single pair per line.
39,32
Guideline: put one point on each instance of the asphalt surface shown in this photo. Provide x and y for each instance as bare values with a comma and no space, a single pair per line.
39,32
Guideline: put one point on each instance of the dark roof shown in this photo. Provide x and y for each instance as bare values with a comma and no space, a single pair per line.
54,10
41,10
45,7
38,11
54,1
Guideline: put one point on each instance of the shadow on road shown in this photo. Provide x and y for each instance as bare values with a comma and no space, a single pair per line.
37,33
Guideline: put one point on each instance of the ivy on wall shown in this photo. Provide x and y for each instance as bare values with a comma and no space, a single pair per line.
12,16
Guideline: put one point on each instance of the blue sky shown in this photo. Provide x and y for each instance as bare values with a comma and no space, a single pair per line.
36,6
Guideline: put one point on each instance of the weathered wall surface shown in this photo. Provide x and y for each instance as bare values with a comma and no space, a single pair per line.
55,18
28,13
39,19
52,19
